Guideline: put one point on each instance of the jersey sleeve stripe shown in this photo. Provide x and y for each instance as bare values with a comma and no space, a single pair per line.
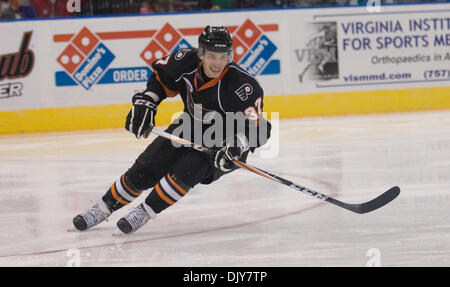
170,93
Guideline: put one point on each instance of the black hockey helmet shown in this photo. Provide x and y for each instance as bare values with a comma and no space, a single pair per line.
216,39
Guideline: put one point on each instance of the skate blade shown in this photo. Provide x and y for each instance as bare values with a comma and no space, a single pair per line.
117,233
72,229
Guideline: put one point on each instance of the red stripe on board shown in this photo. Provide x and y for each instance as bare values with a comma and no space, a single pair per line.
62,37
197,31
126,34
190,31
150,33
110,35
269,27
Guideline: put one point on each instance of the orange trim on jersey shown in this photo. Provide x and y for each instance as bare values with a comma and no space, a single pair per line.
122,179
116,196
179,188
170,93
210,83
162,195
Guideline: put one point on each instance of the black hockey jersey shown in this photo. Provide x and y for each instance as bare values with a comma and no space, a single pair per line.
234,91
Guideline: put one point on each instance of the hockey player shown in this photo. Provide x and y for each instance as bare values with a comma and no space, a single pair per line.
206,78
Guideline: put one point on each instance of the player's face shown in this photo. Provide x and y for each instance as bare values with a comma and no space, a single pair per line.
214,63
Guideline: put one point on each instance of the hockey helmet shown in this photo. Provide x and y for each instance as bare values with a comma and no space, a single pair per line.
216,39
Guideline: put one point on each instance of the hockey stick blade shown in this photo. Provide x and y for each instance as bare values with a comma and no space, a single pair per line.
369,206
361,208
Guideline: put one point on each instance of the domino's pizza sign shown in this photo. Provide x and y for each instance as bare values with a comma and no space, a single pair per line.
85,59
166,41
253,50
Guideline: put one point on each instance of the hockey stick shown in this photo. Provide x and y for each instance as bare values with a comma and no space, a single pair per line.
360,208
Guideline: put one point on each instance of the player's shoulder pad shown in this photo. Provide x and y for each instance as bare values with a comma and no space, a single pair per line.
244,87
185,54
182,61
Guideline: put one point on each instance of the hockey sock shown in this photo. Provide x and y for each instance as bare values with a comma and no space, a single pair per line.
120,194
165,193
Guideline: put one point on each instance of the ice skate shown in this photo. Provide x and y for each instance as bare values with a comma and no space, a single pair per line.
93,216
133,220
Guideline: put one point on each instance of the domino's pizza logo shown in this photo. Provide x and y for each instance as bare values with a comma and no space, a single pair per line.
254,51
166,41
85,59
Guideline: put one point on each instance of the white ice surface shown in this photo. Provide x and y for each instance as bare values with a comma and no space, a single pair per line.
242,219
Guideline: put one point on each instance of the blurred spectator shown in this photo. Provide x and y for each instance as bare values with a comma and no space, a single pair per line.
43,8
158,6
245,4
318,2
27,12
14,4
151,6
146,7
224,4
268,3
111,7
9,9
15,9
180,6
60,9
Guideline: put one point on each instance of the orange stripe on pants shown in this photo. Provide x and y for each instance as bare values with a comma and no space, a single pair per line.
179,188
116,196
162,195
122,179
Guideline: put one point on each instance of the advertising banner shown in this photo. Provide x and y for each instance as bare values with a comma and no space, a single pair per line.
19,68
310,62
351,49
100,61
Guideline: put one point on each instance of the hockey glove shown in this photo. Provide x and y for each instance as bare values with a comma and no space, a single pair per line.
224,157
141,118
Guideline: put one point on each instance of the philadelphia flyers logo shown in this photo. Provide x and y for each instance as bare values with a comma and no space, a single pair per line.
244,91
180,54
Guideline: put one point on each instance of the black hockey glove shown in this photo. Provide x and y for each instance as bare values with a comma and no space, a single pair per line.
141,118
224,157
